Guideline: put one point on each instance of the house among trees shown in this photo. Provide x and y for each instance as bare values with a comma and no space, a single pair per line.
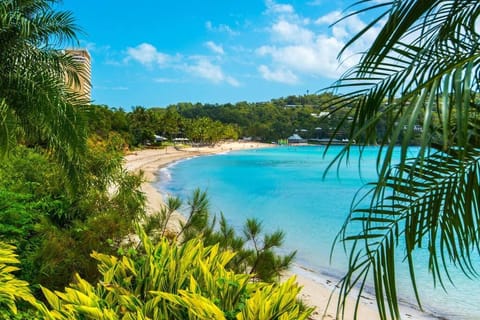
295,138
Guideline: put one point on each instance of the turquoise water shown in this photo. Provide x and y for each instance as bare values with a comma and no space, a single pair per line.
283,188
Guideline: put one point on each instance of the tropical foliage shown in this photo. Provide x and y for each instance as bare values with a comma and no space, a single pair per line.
55,231
11,289
271,120
420,72
255,252
36,104
311,116
167,281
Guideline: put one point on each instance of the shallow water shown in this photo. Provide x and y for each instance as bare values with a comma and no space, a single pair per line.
283,187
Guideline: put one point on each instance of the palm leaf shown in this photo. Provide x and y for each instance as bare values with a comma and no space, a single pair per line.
420,72
427,206
36,100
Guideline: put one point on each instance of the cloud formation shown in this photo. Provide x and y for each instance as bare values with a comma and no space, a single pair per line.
222,28
282,76
147,54
303,47
291,48
289,32
204,68
199,66
215,47
273,7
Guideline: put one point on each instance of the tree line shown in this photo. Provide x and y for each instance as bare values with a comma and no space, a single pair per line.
314,117
308,116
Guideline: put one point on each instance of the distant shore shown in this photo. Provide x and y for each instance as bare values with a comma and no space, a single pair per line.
316,288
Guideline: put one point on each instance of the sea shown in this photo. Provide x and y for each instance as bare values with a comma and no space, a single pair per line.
287,188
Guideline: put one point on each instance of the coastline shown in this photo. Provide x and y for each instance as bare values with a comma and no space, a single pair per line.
317,287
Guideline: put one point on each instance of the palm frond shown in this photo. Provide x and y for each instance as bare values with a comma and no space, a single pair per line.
430,206
421,78
33,82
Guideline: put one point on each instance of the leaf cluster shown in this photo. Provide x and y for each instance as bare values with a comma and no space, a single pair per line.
170,282
256,252
36,104
421,71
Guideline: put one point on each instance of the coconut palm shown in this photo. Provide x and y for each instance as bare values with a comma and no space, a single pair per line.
36,104
420,77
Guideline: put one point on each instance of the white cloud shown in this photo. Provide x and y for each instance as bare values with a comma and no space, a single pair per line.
232,81
347,28
300,48
167,80
215,47
274,7
329,18
282,76
205,69
291,32
91,46
200,66
147,54
222,28
318,58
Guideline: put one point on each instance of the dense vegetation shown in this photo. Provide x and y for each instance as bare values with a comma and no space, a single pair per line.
67,204
314,117
69,210
309,116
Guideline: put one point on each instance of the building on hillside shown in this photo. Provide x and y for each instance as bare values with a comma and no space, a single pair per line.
83,58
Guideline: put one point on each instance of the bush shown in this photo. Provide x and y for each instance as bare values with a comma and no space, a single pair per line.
167,281
255,250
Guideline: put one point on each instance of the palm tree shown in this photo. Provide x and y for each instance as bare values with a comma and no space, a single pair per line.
420,74
36,104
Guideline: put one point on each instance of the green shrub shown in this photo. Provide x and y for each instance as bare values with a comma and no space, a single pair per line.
167,281
255,250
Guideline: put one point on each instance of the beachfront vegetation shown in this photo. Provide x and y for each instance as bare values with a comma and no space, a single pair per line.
422,68
157,281
55,230
64,194
312,116
166,281
255,252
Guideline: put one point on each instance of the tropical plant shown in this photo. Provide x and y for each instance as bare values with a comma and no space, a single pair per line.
420,72
98,218
166,281
255,251
11,289
36,104
54,230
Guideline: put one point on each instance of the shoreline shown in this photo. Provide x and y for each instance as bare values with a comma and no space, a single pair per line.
317,287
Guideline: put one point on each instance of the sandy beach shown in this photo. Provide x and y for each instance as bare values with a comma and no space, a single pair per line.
316,290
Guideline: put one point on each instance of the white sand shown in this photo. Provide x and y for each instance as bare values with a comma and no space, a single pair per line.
316,288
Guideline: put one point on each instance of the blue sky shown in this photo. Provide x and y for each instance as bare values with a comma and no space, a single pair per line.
155,53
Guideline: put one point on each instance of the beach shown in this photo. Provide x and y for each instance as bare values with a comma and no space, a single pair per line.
317,288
